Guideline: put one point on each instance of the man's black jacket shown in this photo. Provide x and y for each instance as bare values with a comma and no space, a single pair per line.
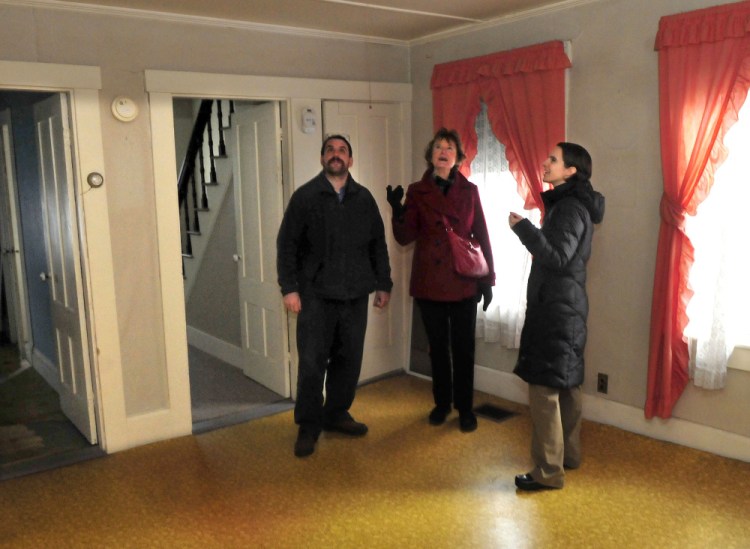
334,249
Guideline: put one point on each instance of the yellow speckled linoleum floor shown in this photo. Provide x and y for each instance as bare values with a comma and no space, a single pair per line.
406,484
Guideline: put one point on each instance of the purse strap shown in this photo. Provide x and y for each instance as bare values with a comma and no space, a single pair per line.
446,223
449,228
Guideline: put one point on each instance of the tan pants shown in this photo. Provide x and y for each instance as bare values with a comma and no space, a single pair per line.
556,432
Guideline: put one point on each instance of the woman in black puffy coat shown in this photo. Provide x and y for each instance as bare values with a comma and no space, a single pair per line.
550,359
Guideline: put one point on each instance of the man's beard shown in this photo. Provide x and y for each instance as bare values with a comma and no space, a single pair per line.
331,170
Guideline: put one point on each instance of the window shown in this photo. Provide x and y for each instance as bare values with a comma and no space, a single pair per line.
525,88
503,320
719,310
704,76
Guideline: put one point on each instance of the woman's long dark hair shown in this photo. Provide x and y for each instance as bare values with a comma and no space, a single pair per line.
576,156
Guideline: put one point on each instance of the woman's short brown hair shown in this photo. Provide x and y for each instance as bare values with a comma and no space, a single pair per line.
452,137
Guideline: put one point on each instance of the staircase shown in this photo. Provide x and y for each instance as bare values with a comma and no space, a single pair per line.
204,179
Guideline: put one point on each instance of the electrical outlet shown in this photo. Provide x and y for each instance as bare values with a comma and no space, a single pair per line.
602,382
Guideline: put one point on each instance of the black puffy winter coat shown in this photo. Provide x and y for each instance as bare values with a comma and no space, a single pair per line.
554,333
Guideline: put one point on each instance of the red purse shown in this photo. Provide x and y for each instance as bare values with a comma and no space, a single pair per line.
468,259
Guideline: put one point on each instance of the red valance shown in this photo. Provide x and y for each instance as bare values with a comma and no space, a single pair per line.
524,90
702,26
540,57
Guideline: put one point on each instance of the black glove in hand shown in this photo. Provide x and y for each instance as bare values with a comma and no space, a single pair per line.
394,197
484,291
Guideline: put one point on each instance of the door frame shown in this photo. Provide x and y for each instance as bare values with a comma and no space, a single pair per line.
82,84
298,96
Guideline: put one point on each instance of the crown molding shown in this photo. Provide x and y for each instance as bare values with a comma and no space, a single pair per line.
61,5
471,26
503,20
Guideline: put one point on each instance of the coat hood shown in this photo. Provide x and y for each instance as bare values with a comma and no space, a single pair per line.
592,200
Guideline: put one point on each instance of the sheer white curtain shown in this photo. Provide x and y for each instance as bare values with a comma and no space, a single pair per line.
503,320
718,310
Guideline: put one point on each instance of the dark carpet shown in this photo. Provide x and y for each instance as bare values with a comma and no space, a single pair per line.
223,395
34,433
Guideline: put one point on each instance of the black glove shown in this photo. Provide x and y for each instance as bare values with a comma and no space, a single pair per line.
394,197
484,290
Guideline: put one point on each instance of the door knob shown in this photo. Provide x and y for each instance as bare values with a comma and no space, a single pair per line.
45,276
236,258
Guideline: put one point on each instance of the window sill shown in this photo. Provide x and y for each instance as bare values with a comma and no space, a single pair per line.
740,359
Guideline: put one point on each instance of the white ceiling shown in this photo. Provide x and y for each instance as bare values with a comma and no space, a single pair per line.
392,20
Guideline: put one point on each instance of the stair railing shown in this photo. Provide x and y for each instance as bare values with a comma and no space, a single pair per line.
198,160
186,182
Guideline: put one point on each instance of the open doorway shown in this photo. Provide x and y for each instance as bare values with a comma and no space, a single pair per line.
46,395
229,164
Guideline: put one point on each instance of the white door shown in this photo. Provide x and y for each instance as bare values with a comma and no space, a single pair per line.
377,137
63,274
256,152
10,247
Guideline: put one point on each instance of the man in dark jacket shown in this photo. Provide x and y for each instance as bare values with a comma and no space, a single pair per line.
331,255
554,334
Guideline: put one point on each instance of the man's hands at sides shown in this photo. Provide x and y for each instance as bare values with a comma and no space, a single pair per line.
293,303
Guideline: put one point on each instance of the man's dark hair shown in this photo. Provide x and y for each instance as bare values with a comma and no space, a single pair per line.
336,136
577,157
452,137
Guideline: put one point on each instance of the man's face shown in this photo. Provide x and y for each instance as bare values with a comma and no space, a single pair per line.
336,160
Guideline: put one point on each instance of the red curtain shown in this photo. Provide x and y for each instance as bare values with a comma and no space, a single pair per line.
704,76
459,106
524,90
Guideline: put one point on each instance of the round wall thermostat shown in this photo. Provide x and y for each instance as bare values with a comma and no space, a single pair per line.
124,108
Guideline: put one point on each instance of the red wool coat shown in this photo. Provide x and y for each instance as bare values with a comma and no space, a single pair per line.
432,274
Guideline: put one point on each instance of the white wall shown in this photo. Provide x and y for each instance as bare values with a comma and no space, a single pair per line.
613,111
124,48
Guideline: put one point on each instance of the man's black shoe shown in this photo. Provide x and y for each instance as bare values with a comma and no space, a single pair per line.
305,444
467,421
438,415
346,426
527,483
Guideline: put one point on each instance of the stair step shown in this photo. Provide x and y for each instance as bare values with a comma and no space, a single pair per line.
196,233
219,156
189,256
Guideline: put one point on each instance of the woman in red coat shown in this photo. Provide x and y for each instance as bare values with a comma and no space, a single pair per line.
446,300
